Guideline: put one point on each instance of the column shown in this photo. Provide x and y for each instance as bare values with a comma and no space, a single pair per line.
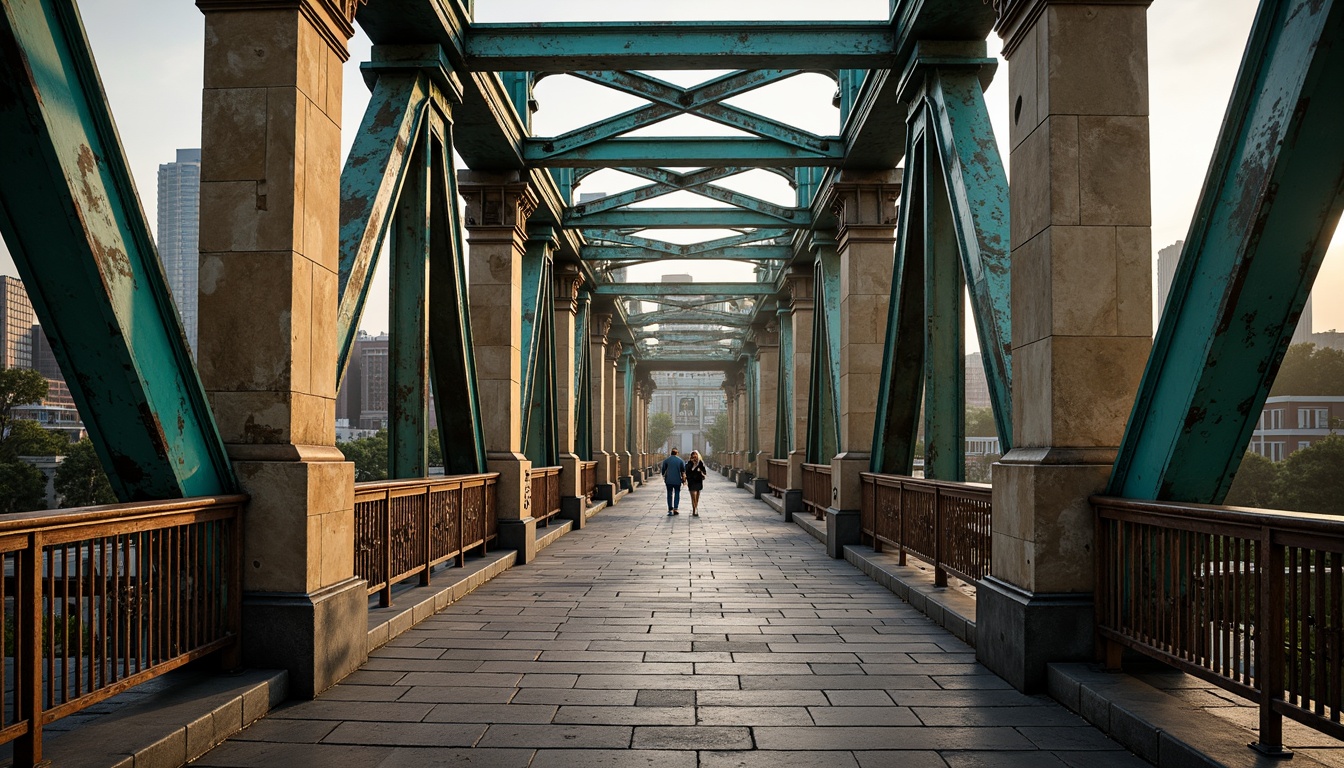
730,413
799,287
625,368
498,205
767,371
1081,264
741,454
269,262
568,280
865,209
609,409
597,407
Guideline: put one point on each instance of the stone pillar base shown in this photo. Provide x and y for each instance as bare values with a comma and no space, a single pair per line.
796,461
793,503
521,536
842,528
740,477
760,487
574,509
846,487
1021,632
319,637
571,475
627,482
605,492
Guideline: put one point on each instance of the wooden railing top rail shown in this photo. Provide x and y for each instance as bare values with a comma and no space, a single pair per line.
1301,522
24,522
586,464
947,485
546,470
421,482
778,462
826,468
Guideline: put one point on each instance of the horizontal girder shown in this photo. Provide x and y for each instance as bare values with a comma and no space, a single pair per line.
562,47
636,253
681,151
722,291
689,316
690,218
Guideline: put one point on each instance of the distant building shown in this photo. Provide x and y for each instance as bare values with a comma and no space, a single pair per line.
977,386
16,324
1290,423
694,400
1302,334
1167,259
362,399
179,233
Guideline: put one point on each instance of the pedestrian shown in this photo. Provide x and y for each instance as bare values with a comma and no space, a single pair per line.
695,480
673,469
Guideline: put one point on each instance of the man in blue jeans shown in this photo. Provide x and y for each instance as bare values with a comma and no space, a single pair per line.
674,472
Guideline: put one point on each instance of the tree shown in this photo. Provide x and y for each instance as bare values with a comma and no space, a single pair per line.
23,487
1255,484
18,386
80,480
28,438
660,429
1311,480
717,435
980,423
1309,370
369,455
435,449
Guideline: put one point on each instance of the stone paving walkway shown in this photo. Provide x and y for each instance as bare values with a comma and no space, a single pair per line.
728,640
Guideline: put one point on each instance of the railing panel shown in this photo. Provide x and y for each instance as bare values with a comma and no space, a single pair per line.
945,524
545,493
1250,600
778,477
589,469
97,600
817,488
406,527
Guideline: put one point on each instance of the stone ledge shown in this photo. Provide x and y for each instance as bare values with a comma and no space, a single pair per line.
414,605
598,506
548,535
948,607
1161,728
166,722
775,504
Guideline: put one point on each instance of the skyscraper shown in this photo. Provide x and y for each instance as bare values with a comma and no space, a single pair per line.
16,324
179,231
1166,272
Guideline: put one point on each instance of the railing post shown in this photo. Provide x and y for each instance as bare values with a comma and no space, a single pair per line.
28,633
900,525
426,535
385,594
1269,643
939,572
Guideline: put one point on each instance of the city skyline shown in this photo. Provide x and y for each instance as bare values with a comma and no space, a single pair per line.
150,61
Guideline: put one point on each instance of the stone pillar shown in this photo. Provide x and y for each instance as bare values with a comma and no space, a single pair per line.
497,209
799,286
269,264
625,477
767,368
598,409
1081,291
609,408
864,204
743,453
568,280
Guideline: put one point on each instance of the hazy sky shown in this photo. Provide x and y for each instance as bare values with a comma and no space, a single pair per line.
149,55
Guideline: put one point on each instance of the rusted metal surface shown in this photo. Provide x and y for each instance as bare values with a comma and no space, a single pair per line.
1252,601
777,475
97,600
817,488
545,493
404,528
945,524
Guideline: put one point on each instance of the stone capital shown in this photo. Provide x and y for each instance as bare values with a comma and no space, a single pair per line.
613,351
797,290
333,19
1016,18
568,280
601,327
499,202
865,199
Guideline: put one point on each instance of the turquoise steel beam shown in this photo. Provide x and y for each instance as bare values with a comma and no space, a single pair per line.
944,338
408,346
691,218
623,238
784,405
540,430
753,382
666,182
1272,198
73,223
685,316
452,359
682,151
973,176
583,412
901,385
706,101
720,291
628,372
823,412
671,100
732,253
687,337
566,47
696,303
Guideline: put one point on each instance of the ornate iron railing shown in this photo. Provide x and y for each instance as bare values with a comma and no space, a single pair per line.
945,524
817,488
777,475
97,600
545,493
1249,600
404,528
589,478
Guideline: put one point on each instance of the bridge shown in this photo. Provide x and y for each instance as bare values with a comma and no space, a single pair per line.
243,536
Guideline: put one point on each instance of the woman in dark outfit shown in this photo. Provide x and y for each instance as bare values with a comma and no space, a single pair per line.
695,480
